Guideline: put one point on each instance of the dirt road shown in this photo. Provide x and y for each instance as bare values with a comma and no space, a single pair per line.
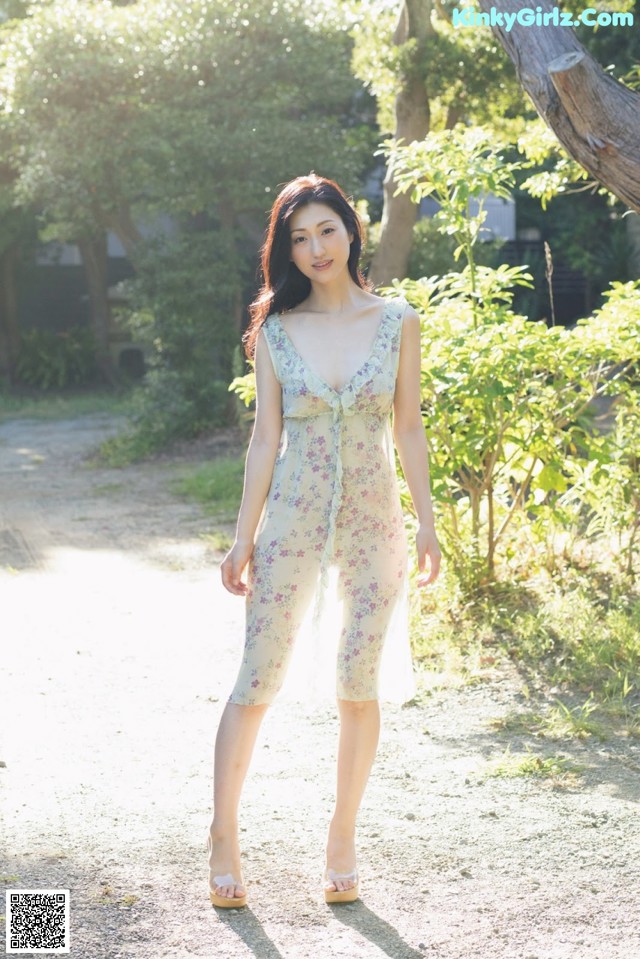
118,649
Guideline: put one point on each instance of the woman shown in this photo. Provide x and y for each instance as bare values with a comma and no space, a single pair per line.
331,361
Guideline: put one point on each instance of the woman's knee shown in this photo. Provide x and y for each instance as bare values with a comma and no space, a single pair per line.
357,708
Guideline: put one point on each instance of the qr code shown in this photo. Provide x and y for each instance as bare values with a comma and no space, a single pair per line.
37,920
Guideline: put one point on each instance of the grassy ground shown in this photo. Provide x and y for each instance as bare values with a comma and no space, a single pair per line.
218,486
62,405
576,649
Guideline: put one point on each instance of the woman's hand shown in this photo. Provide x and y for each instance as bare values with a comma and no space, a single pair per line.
427,545
233,566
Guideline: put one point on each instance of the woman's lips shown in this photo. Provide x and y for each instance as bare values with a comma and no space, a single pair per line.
322,266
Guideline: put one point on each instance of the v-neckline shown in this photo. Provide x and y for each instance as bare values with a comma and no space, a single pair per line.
321,379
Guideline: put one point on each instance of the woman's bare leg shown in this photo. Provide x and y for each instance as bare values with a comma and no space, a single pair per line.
237,734
359,733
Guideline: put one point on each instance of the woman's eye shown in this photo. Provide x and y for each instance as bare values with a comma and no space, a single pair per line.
298,239
328,229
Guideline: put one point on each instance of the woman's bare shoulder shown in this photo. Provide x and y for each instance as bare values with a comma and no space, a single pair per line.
410,331
410,317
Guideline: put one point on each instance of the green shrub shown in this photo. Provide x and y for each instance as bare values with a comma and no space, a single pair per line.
57,360
507,401
182,307
432,252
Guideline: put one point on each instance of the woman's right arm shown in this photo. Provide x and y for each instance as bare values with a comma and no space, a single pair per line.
261,456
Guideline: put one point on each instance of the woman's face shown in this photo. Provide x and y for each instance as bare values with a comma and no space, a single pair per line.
320,243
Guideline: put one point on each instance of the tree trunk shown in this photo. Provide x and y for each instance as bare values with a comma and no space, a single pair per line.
93,250
9,326
412,123
595,118
124,227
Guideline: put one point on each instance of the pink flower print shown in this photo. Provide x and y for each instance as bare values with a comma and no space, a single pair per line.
255,683
278,597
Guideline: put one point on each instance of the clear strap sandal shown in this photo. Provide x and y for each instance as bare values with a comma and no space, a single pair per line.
341,895
225,902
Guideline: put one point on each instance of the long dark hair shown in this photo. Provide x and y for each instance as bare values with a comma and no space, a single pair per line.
283,285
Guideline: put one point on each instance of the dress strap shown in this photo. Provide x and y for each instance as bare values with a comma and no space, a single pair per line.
399,307
273,337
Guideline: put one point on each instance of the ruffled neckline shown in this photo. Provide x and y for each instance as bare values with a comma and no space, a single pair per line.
348,392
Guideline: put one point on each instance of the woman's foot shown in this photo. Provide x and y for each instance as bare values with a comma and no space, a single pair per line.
226,888
341,876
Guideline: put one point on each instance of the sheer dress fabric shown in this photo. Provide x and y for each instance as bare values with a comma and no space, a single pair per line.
328,574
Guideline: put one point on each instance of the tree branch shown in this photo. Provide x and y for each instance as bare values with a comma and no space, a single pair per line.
595,118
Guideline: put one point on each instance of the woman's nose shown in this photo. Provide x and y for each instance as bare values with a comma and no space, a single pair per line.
317,245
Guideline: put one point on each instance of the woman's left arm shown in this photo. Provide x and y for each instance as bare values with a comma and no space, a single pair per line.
411,443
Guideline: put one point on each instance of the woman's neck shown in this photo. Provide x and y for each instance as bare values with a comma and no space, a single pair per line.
338,297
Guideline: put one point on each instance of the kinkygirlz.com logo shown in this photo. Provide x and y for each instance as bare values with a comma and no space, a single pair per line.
530,17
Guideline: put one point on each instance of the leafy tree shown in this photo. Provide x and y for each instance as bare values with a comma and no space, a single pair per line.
425,75
595,117
115,114
465,75
174,108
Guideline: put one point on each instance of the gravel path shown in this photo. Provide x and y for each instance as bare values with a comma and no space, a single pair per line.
119,647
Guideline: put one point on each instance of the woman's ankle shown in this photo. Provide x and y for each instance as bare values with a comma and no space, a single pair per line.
342,829
223,832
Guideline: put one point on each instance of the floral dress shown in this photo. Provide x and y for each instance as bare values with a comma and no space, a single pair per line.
333,506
